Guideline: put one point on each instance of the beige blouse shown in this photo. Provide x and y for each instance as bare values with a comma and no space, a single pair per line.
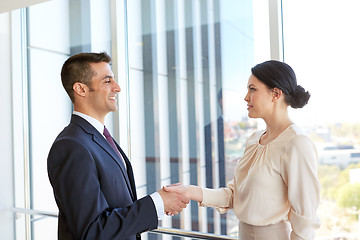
274,182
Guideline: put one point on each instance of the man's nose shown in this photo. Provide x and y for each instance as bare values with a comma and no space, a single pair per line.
117,87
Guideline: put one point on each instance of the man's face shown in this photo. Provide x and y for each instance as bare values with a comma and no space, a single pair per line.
101,98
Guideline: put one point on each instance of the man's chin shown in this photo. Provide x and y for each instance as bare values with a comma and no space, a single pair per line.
114,109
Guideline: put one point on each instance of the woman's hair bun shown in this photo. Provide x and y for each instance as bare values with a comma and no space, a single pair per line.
276,74
298,98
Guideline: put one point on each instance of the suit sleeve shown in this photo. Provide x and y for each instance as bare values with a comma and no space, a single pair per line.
73,174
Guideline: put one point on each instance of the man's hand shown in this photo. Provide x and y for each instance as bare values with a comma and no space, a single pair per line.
189,191
173,202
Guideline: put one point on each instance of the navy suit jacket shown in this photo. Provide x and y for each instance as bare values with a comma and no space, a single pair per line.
95,195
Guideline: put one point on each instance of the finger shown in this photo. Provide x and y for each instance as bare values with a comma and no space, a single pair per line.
170,189
167,189
184,199
169,214
174,184
183,205
179,208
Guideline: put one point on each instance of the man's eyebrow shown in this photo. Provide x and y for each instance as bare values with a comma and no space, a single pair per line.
109,76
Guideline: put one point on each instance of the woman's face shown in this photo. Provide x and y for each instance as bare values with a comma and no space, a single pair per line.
259,99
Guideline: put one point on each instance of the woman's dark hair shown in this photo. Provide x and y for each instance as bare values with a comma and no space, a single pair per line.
280,75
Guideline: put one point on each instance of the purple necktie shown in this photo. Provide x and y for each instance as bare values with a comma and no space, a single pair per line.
112,144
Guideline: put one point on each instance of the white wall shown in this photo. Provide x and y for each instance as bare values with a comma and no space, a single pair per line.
6,165
8,5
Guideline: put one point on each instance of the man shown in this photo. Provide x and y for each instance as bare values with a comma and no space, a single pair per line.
92,180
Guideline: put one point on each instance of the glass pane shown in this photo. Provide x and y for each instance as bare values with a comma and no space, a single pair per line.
50,108
48,117
323,49
189,65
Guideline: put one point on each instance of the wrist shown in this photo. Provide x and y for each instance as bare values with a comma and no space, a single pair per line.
195,193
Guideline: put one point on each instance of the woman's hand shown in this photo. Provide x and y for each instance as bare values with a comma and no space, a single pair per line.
190,191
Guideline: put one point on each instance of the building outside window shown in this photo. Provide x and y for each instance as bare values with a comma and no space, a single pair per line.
323,52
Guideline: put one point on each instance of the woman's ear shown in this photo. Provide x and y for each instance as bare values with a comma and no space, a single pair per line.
277,93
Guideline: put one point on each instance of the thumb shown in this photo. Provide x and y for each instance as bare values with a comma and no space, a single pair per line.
174,184
169,189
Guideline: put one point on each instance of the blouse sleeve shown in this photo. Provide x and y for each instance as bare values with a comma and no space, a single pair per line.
300,175
221,199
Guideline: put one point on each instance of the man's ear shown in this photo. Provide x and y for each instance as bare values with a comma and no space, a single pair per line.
277,93
79,89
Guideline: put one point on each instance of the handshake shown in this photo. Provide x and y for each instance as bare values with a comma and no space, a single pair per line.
177,196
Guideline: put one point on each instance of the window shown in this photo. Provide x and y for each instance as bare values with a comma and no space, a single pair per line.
183,89
189,62
322,47
48,107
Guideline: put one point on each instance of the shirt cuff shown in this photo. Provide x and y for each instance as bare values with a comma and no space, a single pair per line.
159,205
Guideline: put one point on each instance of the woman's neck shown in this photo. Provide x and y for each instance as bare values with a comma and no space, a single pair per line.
274,128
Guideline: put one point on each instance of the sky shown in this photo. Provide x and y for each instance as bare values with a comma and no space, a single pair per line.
321,44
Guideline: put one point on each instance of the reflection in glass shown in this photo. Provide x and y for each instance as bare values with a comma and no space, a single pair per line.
185,58
189,62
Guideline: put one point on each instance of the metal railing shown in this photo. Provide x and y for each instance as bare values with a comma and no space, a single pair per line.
160,230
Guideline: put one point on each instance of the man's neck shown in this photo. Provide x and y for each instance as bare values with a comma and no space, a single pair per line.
91,114
94,122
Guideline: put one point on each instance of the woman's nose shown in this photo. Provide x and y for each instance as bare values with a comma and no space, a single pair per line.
246,98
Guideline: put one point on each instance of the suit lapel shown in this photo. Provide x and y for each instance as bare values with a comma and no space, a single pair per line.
106,146
103,143
130,173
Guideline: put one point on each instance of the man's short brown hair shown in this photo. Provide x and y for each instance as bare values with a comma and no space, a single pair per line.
77,69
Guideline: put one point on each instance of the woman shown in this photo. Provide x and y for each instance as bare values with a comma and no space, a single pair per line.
275,190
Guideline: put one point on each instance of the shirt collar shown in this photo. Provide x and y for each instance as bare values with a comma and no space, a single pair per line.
94,122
